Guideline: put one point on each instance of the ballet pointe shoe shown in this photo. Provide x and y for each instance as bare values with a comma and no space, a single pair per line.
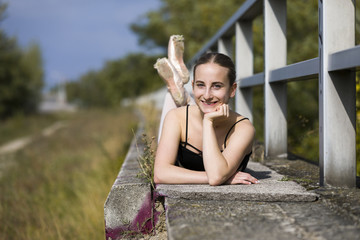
173,81
175,55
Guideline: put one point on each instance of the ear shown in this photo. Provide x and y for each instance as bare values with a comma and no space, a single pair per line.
233,90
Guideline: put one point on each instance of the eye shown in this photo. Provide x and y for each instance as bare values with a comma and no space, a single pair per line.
217,86
200,84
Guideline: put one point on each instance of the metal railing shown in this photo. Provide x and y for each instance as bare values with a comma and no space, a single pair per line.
335,67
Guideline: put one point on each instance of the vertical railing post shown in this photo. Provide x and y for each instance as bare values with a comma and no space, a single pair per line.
337,119
225,46
244,61
275,93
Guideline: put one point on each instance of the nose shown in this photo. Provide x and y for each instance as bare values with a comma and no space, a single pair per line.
207,93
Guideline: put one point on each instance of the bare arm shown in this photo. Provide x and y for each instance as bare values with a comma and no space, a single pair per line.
165,170
220,166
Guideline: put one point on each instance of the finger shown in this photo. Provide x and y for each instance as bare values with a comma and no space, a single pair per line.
245,182
222,110
251,179
255,181
247,177
227,110
235,181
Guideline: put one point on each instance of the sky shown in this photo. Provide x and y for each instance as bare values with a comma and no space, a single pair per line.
76,36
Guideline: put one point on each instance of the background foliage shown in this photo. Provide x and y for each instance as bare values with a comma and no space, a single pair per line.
127,77
21,75
197,22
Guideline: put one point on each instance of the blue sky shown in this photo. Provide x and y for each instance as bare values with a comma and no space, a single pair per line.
76,36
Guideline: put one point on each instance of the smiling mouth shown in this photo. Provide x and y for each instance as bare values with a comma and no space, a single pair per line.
209,103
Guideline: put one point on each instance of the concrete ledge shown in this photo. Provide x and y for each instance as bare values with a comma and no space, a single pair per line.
233,220
270,189
123,204
128,209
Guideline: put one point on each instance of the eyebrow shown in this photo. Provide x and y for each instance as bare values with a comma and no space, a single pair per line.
201,81
218,83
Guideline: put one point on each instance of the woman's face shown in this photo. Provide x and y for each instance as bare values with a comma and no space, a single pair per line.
211,87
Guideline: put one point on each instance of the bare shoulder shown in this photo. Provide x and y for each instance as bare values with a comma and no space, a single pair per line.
242,135
175,117
173,112
176,113
172,126
244,124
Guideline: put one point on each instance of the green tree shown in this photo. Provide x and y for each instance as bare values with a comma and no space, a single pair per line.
21,75
197,21
32,76
127,77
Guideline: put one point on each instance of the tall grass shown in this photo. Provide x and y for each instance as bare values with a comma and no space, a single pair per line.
149,139
57,186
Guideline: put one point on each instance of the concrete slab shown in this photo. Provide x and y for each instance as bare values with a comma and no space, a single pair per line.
271,188
200,219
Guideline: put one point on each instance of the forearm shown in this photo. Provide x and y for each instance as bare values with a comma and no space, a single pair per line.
171,174
216,166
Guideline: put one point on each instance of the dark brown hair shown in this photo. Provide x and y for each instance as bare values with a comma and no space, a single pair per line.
220,59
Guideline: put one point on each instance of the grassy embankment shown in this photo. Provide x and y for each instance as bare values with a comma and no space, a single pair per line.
57,185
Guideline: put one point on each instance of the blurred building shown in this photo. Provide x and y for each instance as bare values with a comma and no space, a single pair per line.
56,101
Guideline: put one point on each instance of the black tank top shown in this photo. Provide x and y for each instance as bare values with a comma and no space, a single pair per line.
194,160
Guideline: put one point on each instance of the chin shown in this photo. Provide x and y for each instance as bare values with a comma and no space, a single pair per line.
205,108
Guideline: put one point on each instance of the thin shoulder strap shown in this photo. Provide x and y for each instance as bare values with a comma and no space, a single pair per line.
231,129
186,132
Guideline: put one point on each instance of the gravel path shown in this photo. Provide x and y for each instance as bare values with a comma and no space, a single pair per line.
20,143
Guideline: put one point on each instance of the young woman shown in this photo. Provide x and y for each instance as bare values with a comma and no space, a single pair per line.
205,142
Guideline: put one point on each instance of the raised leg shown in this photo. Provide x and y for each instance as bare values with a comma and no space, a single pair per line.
175,55
173,81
